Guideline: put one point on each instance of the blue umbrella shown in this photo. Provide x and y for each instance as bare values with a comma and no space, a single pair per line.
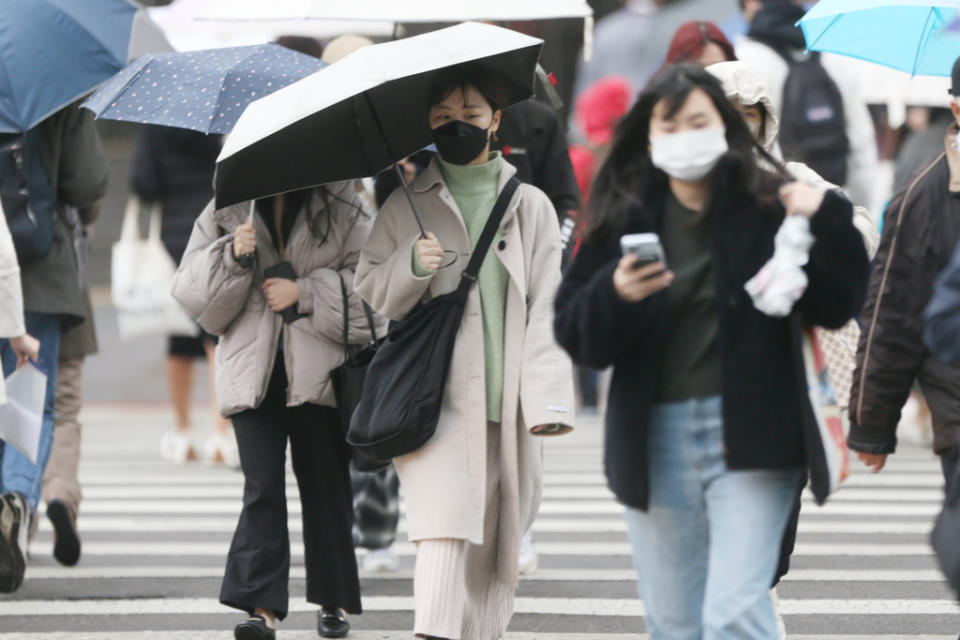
52,52
909,35
200,90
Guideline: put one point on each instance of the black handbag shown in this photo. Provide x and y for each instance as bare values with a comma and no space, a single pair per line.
347,379
403,389
945,538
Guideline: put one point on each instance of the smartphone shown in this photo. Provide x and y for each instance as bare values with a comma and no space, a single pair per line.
645,246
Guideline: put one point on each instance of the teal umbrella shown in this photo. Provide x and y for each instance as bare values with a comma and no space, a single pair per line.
909,35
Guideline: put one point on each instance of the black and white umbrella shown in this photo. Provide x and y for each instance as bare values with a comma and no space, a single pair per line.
362,114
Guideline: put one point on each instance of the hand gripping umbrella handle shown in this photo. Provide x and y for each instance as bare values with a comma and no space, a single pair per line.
245,260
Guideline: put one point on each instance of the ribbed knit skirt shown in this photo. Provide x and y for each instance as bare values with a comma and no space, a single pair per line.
457,591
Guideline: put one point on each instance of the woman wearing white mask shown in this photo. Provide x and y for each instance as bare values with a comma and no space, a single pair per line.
707,405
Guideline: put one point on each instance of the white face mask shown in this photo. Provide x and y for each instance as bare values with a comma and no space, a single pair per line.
690,155
755,130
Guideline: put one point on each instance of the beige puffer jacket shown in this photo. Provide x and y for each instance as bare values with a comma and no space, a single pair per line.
226,300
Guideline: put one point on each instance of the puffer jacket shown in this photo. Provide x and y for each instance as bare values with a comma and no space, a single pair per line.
227,301
920,231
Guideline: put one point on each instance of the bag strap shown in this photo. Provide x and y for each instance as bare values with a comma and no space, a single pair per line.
346,318
486,238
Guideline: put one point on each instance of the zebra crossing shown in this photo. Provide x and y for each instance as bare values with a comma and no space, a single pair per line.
155,537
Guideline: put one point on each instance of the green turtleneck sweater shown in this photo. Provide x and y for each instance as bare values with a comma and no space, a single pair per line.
474,188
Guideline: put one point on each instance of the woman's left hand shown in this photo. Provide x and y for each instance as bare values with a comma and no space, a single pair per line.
547,429
800,198
281,293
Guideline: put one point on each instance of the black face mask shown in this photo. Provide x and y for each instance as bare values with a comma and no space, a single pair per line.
460,142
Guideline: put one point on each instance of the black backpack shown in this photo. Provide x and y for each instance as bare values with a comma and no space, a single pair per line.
813,128
27,198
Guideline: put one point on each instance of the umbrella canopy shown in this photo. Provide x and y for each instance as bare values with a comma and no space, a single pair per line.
392,10
54,51
187,34
200,90
361,114
909,35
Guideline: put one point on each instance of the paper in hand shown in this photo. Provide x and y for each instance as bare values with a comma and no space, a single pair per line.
21,418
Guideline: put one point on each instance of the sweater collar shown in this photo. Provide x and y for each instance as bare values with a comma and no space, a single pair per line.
433,176
471,179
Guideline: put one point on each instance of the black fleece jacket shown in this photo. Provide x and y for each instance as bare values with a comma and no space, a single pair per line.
765,404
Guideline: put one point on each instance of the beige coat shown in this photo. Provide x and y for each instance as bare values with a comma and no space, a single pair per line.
11,294
444,482
226,300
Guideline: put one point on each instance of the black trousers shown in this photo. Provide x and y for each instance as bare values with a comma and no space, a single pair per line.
258,565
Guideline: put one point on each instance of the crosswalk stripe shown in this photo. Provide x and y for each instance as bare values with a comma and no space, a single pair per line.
235,491
142,524
295,634
543,606
166,548
549,507
540,575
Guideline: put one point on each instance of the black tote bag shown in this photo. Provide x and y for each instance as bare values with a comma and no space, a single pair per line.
347,379
405,381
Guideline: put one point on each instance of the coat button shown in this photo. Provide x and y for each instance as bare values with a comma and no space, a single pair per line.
502,245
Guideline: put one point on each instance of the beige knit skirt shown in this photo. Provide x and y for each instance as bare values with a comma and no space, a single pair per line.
457,591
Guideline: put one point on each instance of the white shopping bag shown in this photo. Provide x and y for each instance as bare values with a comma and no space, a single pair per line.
21,418
141,276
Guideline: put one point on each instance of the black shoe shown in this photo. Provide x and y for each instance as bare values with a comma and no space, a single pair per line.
14,522
332,623
66,548
254,628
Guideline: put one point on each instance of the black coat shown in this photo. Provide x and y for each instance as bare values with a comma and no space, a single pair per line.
764,392
175,168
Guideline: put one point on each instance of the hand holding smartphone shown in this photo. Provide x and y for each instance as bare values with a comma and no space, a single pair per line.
642,270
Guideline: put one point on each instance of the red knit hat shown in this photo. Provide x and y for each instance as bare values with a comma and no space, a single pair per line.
691,39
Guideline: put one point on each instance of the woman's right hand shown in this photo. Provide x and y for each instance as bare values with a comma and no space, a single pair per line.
430,252
26,347
634,285
244,240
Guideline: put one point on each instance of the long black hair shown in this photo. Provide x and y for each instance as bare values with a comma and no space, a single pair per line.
320,221
628,177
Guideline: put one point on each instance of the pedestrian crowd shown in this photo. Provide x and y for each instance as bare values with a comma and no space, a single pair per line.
702,228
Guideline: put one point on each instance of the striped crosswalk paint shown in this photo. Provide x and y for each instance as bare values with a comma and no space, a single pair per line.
863,567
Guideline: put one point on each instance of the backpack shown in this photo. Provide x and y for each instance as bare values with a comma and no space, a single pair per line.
27,198
813,127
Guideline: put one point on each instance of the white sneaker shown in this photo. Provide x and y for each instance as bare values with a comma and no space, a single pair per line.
221,448
380,561
781,627
177,446
528,561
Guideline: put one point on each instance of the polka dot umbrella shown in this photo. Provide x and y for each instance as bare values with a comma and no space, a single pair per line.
200,90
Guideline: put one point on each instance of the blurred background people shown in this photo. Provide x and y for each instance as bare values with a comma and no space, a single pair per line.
65,164
174,168
835,136
701,43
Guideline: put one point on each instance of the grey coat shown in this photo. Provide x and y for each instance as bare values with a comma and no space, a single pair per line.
73,156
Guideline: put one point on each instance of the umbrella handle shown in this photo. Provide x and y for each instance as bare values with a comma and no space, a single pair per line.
396,166
246,260
406,190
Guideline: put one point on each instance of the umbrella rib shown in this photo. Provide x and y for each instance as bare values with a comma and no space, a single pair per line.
923,36
824,32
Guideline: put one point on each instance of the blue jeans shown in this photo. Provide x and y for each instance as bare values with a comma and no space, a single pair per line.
17,473
707,548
